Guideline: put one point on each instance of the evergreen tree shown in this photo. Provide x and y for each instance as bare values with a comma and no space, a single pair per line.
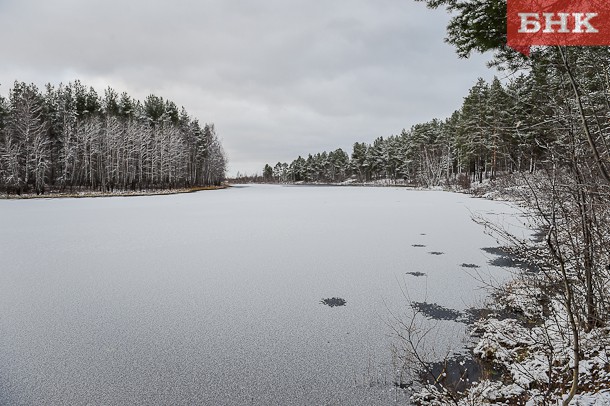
268,173
67,137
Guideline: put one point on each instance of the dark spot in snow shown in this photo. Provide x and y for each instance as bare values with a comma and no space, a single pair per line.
403,385
469,265
540,235
507,259
472,314
457,372
423,234
416,273
435,311
333,301
418,245
436,253
496,251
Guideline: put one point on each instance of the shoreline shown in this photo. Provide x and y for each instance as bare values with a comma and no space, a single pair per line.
123,193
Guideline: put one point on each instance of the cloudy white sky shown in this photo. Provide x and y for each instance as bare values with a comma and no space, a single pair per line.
279,78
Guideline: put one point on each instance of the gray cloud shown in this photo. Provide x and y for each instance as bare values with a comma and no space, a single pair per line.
279,78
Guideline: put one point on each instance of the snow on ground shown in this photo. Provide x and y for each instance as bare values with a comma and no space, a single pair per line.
531,349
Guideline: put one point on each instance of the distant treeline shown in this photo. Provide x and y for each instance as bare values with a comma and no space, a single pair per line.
68,137
498,129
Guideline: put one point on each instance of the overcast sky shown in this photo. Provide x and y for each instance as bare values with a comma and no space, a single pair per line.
279,78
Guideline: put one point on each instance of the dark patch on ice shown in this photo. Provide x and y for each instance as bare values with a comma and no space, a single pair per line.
496,251
507,259
455,373
436,253
418,245
422,234
333,301
417,273
540,235
403,385
436,311
472,314
464,265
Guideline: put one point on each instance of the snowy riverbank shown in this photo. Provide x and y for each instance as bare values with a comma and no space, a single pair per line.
93,193
530,357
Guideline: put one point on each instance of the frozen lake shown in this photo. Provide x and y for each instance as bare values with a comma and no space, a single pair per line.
213,298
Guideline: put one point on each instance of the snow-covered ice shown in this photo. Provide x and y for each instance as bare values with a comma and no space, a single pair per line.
214,297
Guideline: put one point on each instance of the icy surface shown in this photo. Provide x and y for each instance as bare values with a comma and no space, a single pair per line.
214,297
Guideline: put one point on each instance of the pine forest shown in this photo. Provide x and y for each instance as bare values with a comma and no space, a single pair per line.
500,128
69,138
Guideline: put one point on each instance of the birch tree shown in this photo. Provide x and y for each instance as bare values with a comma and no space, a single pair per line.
71,138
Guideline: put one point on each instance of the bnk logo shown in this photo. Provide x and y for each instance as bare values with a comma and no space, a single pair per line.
557,22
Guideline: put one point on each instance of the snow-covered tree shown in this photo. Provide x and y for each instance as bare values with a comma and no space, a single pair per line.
70,138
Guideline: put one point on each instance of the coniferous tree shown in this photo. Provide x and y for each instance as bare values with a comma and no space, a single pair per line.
68,137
